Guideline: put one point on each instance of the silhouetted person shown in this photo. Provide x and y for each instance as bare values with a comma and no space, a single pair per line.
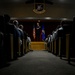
28,41
38,31
21,31
1,23
22,37
17,33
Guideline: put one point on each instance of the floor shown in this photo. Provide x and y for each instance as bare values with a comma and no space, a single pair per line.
38,63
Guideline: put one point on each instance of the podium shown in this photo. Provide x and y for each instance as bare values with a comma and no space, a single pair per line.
38,46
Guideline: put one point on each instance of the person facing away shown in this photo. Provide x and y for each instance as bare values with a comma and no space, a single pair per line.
38,31
21,31
28,40
17,32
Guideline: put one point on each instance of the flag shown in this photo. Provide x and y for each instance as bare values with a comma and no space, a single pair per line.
34,34
43,33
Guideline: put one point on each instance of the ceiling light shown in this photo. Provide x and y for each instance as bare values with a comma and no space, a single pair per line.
64,18
47,18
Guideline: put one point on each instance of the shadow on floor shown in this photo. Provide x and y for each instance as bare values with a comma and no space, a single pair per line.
4,65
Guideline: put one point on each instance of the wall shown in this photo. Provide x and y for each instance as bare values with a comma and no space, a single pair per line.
22,10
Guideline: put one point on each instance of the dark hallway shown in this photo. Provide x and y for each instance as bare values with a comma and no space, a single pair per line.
38,63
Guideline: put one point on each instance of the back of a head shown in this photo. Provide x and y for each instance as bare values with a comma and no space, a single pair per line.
21,27
1,19
15,22
37,23
1,23
6,18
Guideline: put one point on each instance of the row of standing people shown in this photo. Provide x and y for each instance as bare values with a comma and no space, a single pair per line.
6,28
54,35
61,41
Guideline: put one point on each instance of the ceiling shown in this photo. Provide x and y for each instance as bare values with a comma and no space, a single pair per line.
54,1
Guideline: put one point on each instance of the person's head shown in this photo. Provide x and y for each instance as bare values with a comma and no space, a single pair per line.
37,23
15,22
21,27
1,19
6,18
1,23
43,31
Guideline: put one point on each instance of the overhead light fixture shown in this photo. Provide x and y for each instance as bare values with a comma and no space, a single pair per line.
39,7
47,18
64,18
